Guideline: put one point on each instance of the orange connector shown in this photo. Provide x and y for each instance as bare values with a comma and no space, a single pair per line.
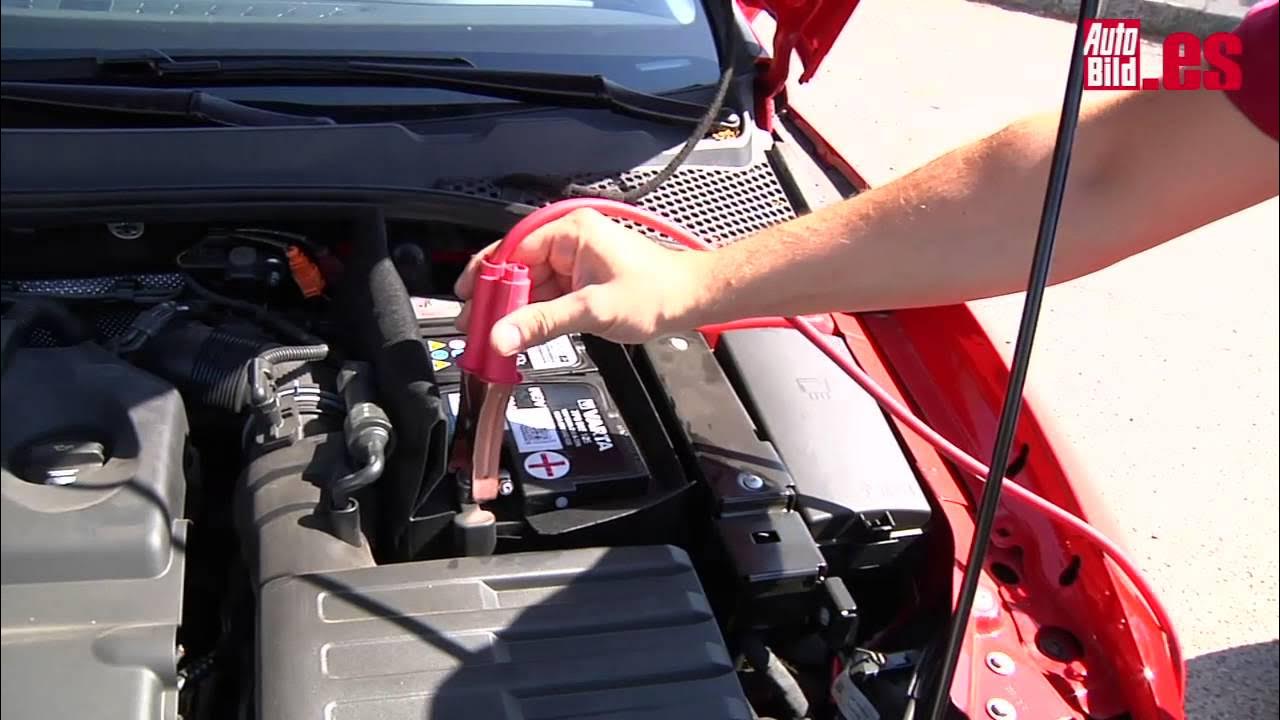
305,272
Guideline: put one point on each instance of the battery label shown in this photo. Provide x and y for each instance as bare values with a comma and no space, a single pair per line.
445,353
533,428
551,355
587,417
567,445
572,418
561,355
426,309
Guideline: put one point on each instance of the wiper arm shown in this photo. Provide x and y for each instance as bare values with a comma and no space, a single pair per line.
537,88
565,89
190,104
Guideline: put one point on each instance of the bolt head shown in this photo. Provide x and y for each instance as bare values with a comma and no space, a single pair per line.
562,502
750,481
1001,709
1000,663
984,601
126,230
679,343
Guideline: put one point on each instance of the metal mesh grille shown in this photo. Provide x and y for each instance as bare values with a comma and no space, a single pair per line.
95,286
720,205
106,322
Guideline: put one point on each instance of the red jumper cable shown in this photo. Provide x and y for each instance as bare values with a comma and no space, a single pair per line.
503,286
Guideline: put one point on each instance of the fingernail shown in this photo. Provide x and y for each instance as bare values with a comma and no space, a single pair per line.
506,338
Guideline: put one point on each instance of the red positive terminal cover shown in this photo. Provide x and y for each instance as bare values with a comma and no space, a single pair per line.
501,288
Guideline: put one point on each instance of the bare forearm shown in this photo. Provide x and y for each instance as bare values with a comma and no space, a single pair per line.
964,226
952,230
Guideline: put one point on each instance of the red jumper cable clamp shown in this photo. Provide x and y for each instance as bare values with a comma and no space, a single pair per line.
501,288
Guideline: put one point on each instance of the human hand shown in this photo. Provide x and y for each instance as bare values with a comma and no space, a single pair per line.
592,275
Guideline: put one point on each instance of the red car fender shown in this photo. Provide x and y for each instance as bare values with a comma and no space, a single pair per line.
808,28
1078,639
1049,606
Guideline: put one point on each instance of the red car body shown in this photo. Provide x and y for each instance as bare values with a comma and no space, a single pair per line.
1055,632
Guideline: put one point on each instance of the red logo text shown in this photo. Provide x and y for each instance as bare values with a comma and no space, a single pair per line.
1113,59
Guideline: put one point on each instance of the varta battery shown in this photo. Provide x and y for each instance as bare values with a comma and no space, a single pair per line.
567,445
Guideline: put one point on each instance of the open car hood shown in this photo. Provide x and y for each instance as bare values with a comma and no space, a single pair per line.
807,27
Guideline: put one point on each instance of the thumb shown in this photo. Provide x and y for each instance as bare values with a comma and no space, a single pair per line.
539,322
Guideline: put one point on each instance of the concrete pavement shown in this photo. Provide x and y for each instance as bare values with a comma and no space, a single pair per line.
1159,17
1161,371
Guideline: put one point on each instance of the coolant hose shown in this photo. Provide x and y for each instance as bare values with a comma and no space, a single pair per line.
895,408
375,462
294,353
368,433
260,371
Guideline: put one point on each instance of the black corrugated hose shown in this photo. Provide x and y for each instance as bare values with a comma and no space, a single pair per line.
259,314
30,313
764,661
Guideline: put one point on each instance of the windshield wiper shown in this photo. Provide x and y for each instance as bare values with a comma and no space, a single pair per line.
537,88
561,89
189,104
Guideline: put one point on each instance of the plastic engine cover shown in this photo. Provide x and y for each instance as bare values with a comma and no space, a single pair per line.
599,633
92,567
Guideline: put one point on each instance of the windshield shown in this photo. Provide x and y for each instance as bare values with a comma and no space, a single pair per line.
649,45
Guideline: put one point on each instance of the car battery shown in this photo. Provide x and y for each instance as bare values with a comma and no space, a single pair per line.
566,444
586,459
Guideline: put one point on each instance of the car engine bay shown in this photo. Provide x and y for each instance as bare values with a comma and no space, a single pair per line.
228,493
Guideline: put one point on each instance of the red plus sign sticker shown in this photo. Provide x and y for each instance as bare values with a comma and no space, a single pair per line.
547,465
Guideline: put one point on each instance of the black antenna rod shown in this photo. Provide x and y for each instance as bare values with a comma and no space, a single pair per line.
990,500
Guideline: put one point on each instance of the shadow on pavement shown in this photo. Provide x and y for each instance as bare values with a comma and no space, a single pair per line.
1238,683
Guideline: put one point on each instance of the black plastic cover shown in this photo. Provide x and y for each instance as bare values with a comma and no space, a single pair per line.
852,477
766,541
606,634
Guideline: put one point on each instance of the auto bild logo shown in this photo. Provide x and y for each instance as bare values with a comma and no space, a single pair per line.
1113,59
